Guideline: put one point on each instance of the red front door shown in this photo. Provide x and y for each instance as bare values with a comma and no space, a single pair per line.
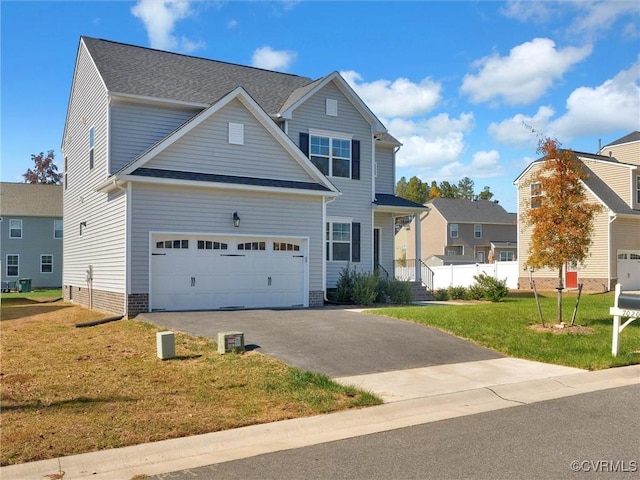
571,275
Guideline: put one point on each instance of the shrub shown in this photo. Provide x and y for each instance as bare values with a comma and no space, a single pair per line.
475,292
393,291
442,295
365,289
344,285
457,293
494,289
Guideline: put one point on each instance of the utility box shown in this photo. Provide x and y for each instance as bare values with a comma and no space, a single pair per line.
230,342
166,344
25,285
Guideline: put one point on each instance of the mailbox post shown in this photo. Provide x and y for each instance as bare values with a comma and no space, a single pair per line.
626,306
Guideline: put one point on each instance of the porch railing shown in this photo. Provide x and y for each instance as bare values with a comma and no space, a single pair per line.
405,270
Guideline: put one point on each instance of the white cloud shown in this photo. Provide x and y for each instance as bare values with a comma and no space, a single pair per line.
231,24
524,75
527,11
159,18
599,16
398,98
270,59
615,104
431,142
517,130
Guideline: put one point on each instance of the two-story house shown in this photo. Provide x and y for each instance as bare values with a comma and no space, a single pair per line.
613,182
198,184
458,231
31,234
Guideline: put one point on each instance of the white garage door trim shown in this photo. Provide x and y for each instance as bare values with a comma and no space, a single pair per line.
226,271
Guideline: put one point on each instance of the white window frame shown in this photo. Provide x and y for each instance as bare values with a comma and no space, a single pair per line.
535,200
506,253
12,228
453,230
330,241
58,227
330,155
42,264
638,189
477,230
9,264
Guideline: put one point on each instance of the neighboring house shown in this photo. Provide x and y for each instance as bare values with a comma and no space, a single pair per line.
613,181
197,184
31,234
456,231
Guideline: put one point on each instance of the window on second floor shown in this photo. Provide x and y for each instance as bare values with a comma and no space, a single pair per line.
92,139
15,228
57,229
453,230
332,156
536,194
477,230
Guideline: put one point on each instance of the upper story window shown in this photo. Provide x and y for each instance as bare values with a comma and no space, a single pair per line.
15,228
332,156
477,230
536,194
57,229
92,139
453,230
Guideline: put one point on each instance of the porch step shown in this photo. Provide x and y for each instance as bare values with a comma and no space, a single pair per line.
419,292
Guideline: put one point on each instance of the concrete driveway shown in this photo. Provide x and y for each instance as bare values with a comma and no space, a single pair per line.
336,342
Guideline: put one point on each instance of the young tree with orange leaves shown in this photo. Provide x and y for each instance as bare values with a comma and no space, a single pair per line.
562,220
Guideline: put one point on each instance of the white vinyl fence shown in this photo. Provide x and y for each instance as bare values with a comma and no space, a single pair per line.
462,275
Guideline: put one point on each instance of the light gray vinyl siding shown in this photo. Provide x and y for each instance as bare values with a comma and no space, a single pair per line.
384,221
355,201
103,242
206,149
209,211
136,128
37,239
385,169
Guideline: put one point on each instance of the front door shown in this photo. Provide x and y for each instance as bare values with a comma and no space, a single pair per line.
571,275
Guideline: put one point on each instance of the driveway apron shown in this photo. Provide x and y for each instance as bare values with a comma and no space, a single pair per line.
336,342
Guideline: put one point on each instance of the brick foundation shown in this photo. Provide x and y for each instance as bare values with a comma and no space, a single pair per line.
137,303
316,298
590,285
110,302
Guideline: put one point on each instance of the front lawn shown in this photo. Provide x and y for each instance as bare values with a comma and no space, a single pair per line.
67,390
506,328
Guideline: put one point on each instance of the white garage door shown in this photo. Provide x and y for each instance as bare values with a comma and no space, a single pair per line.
190,272
629,269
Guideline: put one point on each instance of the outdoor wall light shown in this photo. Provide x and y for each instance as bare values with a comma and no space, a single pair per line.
236,219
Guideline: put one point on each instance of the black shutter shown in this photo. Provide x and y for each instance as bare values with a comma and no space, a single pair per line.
304,143
355,159
355,242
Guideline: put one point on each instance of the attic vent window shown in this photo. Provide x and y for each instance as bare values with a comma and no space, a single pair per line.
236,133
332,107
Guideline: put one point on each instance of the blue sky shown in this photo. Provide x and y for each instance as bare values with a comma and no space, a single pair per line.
456,82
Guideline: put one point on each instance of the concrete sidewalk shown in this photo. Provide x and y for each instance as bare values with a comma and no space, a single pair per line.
417,398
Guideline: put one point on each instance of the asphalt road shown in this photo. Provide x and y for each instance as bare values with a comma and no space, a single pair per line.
335,342
589,436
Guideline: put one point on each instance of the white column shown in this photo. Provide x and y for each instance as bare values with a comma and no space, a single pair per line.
417,232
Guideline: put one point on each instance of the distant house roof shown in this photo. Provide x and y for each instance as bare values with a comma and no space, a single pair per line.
632,137
30,200
435,260
460,210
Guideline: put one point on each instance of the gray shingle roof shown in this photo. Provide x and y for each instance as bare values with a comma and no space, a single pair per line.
472,211
129,69
230,179
31,200
605,193
632,137
395,201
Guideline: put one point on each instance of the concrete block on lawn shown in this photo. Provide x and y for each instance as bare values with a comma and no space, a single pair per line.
166,345
230,342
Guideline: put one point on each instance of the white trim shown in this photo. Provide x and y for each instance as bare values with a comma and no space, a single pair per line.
316,132
6,271
56,229
331,107
11,237
127,97
46,255
235,133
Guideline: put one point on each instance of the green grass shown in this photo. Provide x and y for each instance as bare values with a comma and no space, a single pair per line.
504,327
36,294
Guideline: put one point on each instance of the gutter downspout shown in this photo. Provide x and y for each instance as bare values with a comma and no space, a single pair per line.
612,218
